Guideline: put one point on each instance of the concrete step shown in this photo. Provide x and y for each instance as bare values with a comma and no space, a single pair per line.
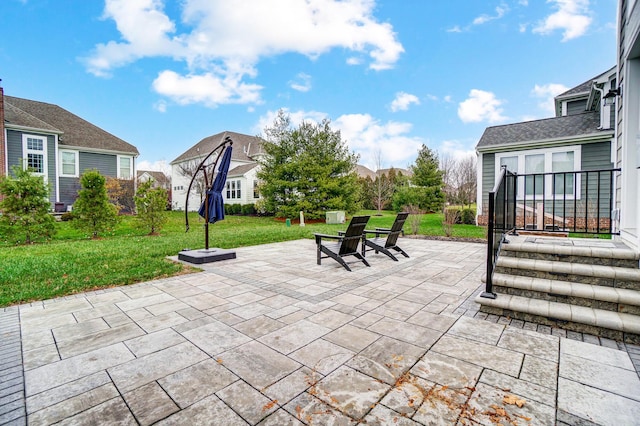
611,276
577,318
595,296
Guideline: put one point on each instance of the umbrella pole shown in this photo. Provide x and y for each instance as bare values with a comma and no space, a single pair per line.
206,221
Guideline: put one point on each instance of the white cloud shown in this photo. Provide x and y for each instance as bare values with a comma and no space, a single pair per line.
456,149
484,18
403,101
571,17
364,134
547,92
447,98
160,106
454,29
302,83
208,89
223,43
158,166
481,106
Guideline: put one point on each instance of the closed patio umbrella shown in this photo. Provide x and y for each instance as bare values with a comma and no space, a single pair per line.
214,194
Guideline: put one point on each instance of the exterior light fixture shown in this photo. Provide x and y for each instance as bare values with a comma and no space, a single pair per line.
610,98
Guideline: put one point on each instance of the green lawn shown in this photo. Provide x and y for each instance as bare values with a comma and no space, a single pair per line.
72,263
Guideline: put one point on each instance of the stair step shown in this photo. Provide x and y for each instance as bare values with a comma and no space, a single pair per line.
569,289
554,267
564,247
621,322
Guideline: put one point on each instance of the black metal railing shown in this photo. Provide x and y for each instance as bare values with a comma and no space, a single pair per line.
501,221
579,202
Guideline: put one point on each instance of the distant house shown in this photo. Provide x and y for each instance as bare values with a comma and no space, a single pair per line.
160,180
579,138
242,181
59,146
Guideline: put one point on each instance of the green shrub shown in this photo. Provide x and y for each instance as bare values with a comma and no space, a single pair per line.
468,216
236,209
248,209
66,216
227,209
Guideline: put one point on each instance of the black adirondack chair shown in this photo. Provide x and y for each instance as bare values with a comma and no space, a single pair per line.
345,244
386,238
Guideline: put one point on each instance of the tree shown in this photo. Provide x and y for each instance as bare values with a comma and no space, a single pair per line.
308,169
467,180
427,183
24,209
383,185
151,206
92,211
121,193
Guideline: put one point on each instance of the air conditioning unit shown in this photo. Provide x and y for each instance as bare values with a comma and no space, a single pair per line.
335,217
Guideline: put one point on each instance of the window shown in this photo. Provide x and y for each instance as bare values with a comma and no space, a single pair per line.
34,149
125,167
69,163
233,189
552,160
256,189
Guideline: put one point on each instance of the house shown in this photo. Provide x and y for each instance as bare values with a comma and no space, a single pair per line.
585,285
579,138
242,181
627,142
160,180
59,146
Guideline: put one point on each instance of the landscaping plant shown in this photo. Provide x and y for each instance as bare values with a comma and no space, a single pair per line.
92,211
151,207
24,209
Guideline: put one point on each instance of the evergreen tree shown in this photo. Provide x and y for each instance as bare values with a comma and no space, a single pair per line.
24,209
92,211
308,169
426,189
151,206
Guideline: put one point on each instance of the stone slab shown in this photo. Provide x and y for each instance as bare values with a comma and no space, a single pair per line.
198,257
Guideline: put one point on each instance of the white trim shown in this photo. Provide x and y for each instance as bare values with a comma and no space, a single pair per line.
548,164
101,151
130,157
479,186
55,144
603,136
44,153
76,154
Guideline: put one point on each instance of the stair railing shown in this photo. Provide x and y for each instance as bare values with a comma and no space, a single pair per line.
501,221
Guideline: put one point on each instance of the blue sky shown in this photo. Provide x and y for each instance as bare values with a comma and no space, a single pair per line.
391,75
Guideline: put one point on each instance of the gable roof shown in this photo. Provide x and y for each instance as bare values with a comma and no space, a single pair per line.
584,88
159,177
541,130
244,147
242,169
75,131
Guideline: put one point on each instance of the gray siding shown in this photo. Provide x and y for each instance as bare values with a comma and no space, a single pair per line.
15,155
69,188
576,107
106,164
488,177
596,156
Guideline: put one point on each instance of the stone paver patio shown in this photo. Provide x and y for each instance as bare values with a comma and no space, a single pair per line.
271,338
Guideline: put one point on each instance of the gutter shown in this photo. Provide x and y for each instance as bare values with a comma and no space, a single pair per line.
588,138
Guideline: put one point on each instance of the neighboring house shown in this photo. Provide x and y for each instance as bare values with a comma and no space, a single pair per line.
365,172
59,146
578,138
242,182
160,180
627,143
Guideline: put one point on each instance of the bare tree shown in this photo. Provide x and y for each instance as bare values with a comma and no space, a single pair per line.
383,186
448,167
466,180
190,168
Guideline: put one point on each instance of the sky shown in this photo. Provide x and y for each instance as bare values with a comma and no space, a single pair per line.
390,75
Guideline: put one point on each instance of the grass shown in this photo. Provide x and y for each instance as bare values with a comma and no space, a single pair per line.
72,263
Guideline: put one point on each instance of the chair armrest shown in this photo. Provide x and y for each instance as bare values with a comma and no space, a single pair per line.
381,230
319,237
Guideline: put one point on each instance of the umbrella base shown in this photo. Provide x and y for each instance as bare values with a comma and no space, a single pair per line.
206,256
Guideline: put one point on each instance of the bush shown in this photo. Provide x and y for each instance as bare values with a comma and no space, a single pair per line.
236,209
93,213
67,216
468,216
151,205
248,209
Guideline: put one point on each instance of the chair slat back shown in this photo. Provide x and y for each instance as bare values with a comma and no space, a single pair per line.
396,229
353,234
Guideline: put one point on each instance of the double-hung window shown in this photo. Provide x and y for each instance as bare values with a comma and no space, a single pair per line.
233,190
69,163
549,171
125,167
34,149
